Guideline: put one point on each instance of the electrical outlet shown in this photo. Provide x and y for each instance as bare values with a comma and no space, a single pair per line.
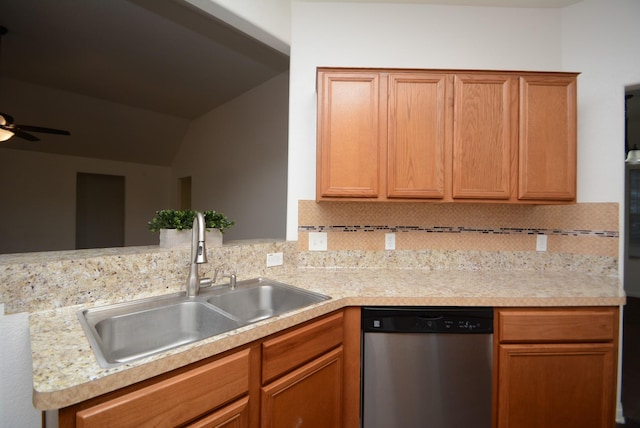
317,241
389,241
541,243
275,259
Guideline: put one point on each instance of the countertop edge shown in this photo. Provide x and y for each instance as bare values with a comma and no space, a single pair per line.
50,400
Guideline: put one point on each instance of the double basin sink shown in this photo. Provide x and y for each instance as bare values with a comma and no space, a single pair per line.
125,332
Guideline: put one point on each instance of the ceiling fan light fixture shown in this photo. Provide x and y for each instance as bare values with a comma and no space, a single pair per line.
5,134
634,155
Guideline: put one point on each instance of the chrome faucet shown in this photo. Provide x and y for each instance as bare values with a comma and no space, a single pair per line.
198,256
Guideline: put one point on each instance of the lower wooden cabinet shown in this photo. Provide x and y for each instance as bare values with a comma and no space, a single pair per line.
556,367
553,367
308,397
302,376
294,378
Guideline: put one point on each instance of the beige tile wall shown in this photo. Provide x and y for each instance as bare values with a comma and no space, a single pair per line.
590,228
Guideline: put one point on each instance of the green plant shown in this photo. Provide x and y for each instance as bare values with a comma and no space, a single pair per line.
183,219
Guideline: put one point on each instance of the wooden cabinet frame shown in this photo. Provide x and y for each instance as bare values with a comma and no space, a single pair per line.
446,136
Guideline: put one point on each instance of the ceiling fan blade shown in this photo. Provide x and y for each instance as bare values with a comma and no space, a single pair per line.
41,129
24,135
8,120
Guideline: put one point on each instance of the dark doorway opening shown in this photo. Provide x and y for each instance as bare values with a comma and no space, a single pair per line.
99,211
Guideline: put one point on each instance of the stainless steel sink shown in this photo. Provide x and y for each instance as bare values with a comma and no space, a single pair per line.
126,332
129,331
259,299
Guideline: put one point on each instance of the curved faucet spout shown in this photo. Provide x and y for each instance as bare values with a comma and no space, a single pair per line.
198,255
198,247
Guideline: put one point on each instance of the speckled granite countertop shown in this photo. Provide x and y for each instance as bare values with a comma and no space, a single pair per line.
65,370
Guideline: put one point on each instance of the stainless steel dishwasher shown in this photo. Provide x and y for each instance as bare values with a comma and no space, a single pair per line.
426,367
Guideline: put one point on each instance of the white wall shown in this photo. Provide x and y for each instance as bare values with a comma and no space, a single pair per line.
600,39
402,35
236,156
38,194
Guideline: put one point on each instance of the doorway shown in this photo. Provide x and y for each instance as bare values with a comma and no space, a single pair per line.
630,347
632,193
99,211
184,190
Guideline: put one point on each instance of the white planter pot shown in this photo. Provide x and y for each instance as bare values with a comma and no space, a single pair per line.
173,238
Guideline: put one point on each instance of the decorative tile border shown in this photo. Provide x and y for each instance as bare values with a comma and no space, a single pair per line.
462,229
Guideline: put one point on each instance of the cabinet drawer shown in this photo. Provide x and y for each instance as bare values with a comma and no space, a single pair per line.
557,325
291,350
176,400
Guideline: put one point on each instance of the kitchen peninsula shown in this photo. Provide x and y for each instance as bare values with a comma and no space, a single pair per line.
66,371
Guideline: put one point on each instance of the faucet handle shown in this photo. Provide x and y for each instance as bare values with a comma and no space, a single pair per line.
219,269
231,275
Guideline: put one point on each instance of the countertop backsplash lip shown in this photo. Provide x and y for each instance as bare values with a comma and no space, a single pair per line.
115,275
41,281
453,260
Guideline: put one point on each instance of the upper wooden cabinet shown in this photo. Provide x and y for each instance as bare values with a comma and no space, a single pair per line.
547,168
484,136
416,135
351,134
446,135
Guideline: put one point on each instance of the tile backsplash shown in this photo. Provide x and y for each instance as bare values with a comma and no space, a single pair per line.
586,229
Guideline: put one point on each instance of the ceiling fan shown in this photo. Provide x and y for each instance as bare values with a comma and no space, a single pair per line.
8,127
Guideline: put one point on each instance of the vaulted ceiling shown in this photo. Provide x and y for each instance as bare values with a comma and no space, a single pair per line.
158,55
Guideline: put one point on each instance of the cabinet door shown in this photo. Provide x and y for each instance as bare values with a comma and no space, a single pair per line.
556,385
310,396
348,134
484,136
416,135
547,168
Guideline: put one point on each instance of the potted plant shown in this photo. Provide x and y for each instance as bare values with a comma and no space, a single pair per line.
175,227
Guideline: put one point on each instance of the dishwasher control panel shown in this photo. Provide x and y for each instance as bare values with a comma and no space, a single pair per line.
427,320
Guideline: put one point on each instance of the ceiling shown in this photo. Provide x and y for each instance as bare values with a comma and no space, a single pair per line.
163,56
491,3
157,55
